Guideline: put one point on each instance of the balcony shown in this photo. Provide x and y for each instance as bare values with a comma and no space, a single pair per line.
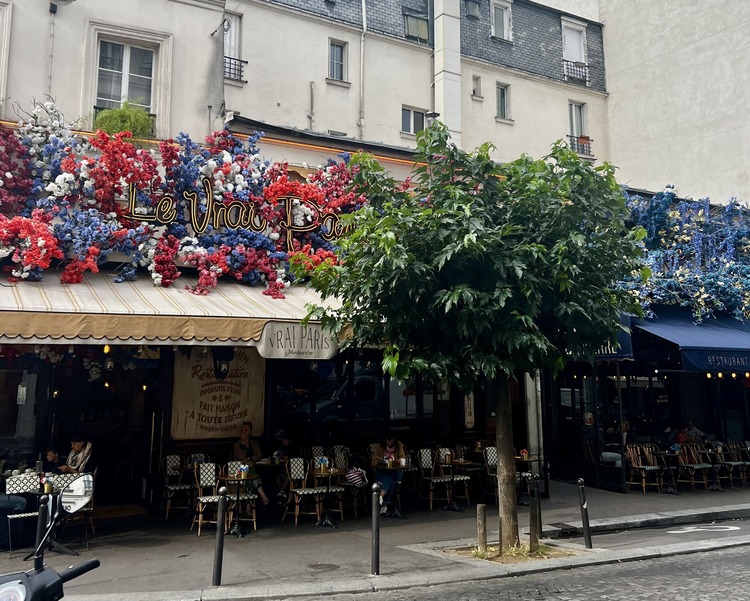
234,69
576,72
580,144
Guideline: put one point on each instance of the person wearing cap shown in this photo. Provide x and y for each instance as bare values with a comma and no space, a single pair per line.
81,457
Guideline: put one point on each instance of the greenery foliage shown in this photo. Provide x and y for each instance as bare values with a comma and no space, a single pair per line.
483,269
126,118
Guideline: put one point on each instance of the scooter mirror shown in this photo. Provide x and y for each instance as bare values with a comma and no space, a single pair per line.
77,494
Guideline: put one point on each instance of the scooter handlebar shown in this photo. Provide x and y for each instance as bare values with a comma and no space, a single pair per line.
80,569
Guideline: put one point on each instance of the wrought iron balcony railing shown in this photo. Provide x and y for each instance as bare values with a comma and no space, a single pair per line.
580,144
576,72
234,69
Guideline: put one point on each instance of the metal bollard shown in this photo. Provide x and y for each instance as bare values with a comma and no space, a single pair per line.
535,515
41,528
221,512
584,514
375,568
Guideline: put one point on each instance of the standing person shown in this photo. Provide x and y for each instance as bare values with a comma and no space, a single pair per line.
589,432
54,461
246,447
81,458
390,450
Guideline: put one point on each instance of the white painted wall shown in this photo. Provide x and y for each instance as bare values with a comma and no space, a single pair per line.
678,74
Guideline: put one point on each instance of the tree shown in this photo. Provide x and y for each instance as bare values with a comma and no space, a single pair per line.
482,270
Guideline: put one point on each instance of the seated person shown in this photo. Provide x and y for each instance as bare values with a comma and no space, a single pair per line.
589,432
54,461
392,450
247,449
81,458
8,504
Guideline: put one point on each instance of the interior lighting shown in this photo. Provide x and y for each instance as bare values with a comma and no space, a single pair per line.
720,375
106,349
708,376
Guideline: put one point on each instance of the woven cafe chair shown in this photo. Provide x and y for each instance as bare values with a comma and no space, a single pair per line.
430,478
301,496
490,463
207,499
456,478
650,474
356,492
174,488
19,485
693,465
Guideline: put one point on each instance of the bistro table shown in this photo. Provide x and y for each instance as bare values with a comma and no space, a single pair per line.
237,480
328,474
670,462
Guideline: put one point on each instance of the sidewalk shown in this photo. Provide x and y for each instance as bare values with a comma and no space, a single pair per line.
163,561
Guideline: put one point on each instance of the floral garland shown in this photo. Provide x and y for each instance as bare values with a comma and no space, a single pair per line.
66,198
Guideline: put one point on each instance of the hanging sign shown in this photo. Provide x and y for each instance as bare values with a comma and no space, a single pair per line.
296,341
469,410
204,407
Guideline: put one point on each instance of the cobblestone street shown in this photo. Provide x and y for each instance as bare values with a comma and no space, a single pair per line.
714,576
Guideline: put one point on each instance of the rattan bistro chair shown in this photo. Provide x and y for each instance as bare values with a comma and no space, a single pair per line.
431,479
650,474
174,488
207,500
300,494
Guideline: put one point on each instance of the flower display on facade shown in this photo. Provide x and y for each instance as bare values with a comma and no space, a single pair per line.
698,254
217,208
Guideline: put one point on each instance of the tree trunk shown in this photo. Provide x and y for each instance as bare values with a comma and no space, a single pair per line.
506,466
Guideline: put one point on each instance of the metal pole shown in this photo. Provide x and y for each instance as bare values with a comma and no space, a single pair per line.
375,569
584,514
219,551
534,515
41,527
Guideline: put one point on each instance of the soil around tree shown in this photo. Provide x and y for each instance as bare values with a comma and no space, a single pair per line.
493,554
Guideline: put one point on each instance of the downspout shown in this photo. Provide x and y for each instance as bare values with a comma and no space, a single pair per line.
311,114
362,72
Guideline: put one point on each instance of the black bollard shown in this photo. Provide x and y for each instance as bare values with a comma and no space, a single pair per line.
375,569
584,514
535,513
221,512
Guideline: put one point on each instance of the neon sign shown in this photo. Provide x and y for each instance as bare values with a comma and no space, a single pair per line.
234,215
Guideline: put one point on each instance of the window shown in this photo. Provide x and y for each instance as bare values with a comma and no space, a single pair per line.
503,101
234,66
574,41
145,74
502,24
577,119
476,86
337,60
417,28
125,73
412,121
472,9
574,51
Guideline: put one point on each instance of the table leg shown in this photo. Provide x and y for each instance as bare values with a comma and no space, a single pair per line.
236,529
452,505
326,519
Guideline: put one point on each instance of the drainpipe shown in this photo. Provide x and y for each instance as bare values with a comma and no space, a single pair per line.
311,114
362,72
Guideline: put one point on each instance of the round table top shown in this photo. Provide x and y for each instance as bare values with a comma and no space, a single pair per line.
236,478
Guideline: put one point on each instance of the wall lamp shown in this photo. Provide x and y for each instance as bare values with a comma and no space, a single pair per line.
53,5
222,355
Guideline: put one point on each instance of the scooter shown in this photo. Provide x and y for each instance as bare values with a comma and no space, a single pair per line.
42,583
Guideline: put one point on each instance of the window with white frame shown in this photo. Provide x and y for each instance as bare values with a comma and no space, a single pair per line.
125,72
574,41
337,60
476,86
578,125
417,28
412,120
472,9
503,101
502,21
123,62
234,66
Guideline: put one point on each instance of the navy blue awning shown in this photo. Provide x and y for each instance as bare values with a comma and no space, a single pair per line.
716,344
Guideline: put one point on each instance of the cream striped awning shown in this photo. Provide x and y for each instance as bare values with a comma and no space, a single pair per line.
101,310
